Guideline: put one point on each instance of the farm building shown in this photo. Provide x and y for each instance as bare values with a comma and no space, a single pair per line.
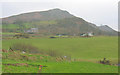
90,34
32,30
87,34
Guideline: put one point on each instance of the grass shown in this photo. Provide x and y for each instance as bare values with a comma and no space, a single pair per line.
84,50
63,67
19,69
10,26
29,25
79,67
8,33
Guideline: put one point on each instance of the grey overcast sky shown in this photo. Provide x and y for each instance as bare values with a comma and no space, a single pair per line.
99,12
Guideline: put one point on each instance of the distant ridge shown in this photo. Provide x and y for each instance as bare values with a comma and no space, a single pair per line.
106,28
39,16
54,21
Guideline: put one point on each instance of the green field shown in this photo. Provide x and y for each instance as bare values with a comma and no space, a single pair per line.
87,48
63,67
8,34
87,52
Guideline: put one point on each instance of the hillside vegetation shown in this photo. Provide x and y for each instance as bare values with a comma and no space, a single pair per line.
54,21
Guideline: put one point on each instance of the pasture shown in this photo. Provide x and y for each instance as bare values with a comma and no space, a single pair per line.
86,48
62,67
85,51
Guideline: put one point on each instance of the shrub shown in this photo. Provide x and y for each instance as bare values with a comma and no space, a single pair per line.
54,53
25,47
52,37
21,35
68,57
33,58
104,61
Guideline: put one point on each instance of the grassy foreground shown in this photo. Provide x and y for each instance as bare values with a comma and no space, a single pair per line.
63,67
85,50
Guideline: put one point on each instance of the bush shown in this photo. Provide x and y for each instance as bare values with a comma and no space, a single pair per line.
25,47
54,53
104,61
21,35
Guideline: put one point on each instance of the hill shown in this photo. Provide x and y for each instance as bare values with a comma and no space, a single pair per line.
39,16
52,22
106,28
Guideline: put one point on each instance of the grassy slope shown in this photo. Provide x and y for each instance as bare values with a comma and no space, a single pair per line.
29,25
